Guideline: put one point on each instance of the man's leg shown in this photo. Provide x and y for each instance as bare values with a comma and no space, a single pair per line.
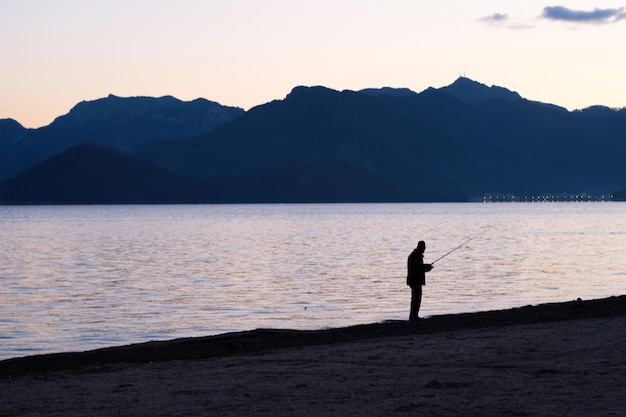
416,300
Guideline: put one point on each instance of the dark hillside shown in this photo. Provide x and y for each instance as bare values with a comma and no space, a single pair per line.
92,174
354,129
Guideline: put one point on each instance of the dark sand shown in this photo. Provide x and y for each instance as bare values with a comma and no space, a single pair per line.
562,359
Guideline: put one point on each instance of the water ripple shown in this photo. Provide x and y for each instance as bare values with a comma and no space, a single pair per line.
81,277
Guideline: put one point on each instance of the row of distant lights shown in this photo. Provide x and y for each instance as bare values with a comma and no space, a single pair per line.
579,198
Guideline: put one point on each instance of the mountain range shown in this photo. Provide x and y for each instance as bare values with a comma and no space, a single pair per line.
117,122
455,143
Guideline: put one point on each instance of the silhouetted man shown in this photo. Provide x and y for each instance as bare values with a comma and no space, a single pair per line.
416,277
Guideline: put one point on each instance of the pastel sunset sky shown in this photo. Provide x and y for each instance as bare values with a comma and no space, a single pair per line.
247,52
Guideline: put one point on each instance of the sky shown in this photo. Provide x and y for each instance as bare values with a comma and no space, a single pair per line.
248,52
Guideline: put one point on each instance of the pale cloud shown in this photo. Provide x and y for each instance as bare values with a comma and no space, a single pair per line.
579,16
495,18
503,20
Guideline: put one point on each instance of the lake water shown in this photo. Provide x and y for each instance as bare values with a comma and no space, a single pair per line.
84,277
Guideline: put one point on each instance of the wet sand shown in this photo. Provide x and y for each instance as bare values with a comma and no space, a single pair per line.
550,360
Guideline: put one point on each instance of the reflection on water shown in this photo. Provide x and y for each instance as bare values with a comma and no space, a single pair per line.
82,277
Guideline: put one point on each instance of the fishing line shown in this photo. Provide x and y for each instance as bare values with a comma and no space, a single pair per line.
458,247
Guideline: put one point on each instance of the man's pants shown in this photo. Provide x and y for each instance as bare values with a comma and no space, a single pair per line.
416,300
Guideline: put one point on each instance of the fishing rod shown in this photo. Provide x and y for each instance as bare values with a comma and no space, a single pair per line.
458,247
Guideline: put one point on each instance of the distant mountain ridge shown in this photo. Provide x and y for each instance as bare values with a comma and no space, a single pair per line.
11,132
474,92
454,143
121,123
388,91
11,129
133,120
430,146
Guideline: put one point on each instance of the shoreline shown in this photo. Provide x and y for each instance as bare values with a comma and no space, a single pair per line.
265,340
560,359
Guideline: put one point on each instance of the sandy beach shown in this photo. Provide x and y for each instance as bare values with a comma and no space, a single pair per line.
561,359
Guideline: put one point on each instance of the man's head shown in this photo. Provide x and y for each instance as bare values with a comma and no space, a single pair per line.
421,246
